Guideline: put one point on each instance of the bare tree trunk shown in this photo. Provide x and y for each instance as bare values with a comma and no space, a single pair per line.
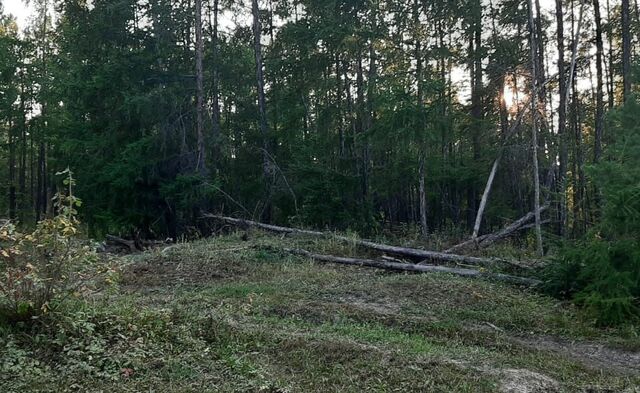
41,190
597,147
534,120
562,122
610,38
215,117
418,268
405,251
626,51
486,240
200,163
424,228
12,171
262,110
485,197
22,175
487,189
423,198
475,45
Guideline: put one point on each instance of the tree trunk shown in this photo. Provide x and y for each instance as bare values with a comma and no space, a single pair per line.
200,163
534,132
599,126
424,228
404,251
485,197
215,118
562,123
486,240
22,177
610,38
262,110
418,268
423,198
626,51
12,171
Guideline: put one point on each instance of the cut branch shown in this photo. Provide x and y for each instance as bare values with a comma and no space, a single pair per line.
414,267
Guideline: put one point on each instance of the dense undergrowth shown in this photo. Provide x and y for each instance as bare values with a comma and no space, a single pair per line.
601,271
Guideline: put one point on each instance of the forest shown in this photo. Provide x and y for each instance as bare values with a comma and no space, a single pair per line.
142,140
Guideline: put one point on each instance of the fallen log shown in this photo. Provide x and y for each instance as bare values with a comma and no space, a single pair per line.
130,244
488,239
388,265
396,250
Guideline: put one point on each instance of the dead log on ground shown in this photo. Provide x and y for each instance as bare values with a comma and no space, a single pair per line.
488,239
130,244
135,245
396,250
415,267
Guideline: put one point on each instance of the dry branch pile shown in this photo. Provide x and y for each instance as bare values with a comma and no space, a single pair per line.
424,255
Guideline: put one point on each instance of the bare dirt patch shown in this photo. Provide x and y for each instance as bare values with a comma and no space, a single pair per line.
383,306
526,381
593,355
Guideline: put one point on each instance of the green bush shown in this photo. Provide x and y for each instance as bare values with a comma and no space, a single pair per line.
38,268
601,271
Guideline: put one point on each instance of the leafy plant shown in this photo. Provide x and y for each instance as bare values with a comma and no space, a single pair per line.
40,267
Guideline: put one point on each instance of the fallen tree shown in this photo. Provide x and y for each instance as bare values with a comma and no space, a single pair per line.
418,268
488,239
131,245
396,250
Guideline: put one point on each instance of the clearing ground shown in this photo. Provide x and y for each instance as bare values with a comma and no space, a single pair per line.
232,315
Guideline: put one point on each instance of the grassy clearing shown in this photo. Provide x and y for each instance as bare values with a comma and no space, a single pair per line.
226,315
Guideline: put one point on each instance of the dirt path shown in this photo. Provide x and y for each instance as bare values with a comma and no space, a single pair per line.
593,355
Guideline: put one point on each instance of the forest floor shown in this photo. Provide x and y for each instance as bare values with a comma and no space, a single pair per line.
232,315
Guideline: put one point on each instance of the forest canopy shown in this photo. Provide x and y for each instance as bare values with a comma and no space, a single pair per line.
446,117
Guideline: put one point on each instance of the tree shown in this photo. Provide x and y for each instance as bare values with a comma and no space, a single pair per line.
534,133
626,50
262,110
599,123
200,163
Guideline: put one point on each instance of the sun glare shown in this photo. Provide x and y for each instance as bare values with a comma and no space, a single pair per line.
510,95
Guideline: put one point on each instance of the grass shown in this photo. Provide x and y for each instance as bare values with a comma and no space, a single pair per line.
226,315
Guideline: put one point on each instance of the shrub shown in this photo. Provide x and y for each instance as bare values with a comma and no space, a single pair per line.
40,267
601,271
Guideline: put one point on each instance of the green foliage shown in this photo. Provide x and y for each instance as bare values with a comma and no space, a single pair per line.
80,340
40,267
602,270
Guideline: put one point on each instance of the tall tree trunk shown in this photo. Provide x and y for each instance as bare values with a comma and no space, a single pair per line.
340,115
599,126
626,51
540,68
359,126
215,118
22,177
562,122
475,47
262,110
12,171
423,198
200,163
41,193
424,229
610,38
534,141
